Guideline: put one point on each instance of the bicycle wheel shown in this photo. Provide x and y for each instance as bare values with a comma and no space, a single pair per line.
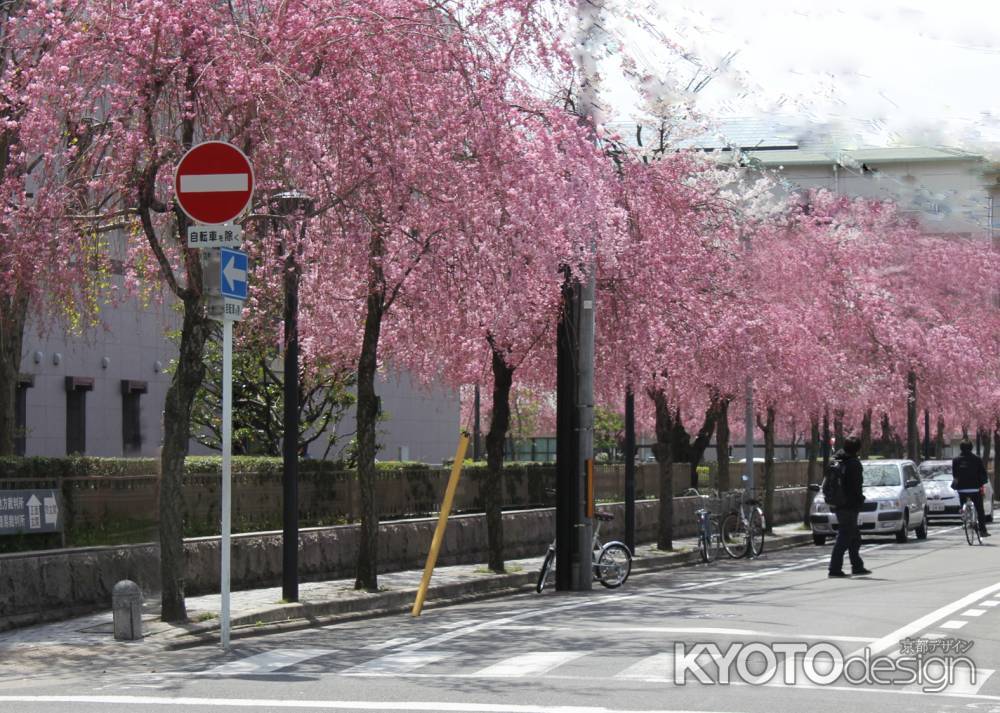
614,565
709,541
734,535
547,564
968,521
756,535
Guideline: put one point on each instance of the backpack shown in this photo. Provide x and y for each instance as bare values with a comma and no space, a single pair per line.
833,484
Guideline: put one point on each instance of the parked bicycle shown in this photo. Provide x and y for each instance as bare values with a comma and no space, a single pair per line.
709,528
611,562
970,522
743,528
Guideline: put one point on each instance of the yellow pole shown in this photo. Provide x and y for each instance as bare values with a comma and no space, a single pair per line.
449,496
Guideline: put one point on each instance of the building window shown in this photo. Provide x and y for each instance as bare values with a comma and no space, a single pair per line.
131,422
76,413
24,382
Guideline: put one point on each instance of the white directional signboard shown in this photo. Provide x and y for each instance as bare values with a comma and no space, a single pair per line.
29,511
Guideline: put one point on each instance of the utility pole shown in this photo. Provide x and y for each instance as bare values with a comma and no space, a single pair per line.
630,470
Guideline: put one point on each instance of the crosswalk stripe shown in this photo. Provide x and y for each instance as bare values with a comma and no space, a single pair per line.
973,612
531,664
267,662
990,603
954,624
655,666
402,662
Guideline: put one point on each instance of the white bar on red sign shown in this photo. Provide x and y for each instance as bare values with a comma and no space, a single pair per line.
214,182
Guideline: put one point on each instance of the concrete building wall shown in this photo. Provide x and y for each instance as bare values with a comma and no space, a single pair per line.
133,344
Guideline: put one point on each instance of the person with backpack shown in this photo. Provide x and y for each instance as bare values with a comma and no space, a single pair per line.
842,490
969,477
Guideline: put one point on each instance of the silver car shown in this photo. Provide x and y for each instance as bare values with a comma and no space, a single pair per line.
895,503
942,501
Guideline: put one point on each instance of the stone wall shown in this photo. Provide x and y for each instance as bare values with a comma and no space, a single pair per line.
41,585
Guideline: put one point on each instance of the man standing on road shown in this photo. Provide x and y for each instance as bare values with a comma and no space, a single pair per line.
848,532
970,476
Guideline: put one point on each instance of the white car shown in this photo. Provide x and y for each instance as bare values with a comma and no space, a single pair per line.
942,501
895,503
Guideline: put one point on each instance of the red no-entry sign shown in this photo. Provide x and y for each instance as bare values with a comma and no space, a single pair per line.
213,182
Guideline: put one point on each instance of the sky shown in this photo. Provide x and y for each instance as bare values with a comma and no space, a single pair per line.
915,72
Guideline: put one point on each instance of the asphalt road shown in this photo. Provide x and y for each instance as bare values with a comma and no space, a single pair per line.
606,650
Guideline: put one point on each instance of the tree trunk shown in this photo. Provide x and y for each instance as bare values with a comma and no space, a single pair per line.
890,439
866,434
987,446
939,438
838,427
703,438
180,397
793,446
368,408
12,321
664,457
491,485
767,427
912,428
722,445
812,452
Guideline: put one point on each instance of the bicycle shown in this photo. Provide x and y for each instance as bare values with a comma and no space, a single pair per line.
709,530
970,521
743,528
611,562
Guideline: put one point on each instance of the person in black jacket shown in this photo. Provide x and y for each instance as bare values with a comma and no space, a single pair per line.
970,476
848,532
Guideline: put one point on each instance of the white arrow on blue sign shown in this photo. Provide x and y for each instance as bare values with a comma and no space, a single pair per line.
234,273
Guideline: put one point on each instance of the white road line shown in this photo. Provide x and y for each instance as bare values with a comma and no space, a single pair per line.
724,631
908,630
212,182
651,667
267,662
391,643
396,663
534,663
974,612
990,603
953,624
133,702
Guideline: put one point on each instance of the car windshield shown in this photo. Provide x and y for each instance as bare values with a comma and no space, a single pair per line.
881,474
944,476
935,471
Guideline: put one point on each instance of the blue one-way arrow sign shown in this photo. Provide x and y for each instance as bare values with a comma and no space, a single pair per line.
233,264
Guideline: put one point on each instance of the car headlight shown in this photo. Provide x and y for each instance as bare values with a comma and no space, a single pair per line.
820,507
888,505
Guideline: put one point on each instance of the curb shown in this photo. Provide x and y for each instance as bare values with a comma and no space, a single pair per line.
297,616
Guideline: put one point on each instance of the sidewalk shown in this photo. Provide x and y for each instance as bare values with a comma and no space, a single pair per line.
260,611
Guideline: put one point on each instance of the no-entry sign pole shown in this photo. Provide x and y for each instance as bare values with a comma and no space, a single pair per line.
227,470
213,185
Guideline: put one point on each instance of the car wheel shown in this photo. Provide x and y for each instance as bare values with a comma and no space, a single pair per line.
818,539
903,534
921,531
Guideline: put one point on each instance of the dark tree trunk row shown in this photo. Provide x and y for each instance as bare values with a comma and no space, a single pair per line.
13,316
767,426
663,450
703,438
492,485
722,445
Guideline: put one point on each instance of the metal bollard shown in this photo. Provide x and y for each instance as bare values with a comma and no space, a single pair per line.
126,605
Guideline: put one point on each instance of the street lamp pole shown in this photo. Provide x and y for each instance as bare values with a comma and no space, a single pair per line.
287,204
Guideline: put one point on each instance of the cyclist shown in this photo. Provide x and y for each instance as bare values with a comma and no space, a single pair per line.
970,477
